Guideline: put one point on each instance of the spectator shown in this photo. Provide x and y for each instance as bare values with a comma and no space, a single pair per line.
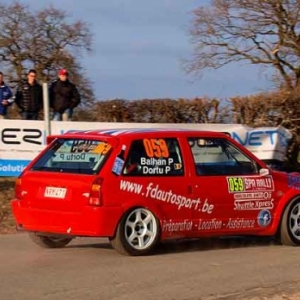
5,97
29,97
63,96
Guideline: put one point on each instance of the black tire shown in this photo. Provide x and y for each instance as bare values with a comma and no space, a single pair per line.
49,241
137,233
287,235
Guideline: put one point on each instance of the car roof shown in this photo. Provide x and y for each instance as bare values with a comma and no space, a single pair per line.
142,132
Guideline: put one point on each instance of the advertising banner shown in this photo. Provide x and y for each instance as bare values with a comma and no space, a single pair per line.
22,140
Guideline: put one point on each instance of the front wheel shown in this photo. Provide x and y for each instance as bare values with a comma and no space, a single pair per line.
137,233
290,224
49,241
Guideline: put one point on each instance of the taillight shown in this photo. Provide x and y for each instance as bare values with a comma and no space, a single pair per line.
95,194
18,188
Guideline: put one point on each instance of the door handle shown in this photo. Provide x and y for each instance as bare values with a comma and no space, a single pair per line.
190,189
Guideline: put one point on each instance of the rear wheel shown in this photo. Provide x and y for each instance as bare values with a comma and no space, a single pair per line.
137,233
290,224
49,241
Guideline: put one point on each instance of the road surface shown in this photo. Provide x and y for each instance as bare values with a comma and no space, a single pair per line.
89,269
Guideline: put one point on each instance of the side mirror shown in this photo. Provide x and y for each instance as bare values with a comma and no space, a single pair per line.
264,172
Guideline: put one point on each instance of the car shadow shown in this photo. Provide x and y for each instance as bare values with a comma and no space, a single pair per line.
209,244
96,245
188,245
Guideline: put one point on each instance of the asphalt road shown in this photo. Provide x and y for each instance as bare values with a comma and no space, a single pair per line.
89,269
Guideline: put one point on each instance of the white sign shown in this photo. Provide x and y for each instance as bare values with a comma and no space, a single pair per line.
21,141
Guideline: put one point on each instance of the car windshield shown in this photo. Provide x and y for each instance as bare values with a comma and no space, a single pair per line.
82,156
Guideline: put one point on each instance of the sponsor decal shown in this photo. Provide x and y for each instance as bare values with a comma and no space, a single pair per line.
180,201
215,224
251,193
119,162
256,204
240,223
155,192
81,151
207,225
250,184
172,226
294,181
256,195
84,146
264,218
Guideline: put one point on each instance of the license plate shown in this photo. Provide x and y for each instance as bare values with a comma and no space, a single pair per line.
54,192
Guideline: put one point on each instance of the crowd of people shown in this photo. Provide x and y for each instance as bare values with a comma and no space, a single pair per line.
63,97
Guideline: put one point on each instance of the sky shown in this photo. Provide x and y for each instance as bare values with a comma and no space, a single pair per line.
139,46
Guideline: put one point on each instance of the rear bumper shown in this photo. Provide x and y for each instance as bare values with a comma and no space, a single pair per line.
91,221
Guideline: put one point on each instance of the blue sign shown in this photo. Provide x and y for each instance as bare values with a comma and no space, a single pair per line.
12,168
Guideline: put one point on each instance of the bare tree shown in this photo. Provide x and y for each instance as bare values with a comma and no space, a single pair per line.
261,32
45,40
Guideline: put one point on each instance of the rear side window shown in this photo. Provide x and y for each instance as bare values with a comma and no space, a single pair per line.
154,157
81,156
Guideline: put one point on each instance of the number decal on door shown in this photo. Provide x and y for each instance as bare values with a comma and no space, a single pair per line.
235,184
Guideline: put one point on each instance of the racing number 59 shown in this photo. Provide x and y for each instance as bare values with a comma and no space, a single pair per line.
156,147
236,184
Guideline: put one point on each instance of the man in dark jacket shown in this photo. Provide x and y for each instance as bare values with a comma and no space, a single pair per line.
63,96
29,97
5,97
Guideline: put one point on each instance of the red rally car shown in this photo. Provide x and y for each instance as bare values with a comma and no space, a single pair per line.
141,186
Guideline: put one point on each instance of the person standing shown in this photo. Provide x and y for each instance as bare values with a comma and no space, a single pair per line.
29,97
64,97
6,98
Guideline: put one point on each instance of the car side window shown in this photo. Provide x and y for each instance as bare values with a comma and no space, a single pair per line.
220,157
154,157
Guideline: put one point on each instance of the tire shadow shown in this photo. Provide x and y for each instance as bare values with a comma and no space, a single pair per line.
188,245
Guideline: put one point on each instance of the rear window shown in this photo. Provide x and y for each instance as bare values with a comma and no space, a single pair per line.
81,156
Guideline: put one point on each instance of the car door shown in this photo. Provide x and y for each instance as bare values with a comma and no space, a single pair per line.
234,197
154,174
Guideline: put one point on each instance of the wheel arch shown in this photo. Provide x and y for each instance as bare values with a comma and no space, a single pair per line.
133,242
290,197
154,208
